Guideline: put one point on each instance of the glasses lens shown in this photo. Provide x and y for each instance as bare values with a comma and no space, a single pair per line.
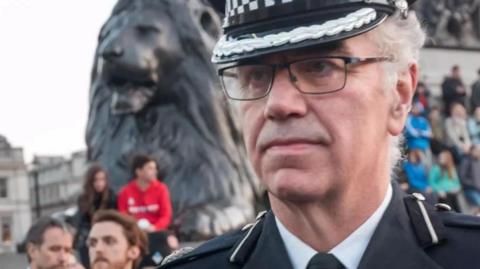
247,81
319,75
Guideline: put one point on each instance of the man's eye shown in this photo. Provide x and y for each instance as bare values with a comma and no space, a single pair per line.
91,243
257,75
109,241
55,248
319,67
254,76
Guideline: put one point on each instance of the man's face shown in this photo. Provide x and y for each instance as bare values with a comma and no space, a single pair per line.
458,112
304,147
54,252
109,248
148,171
456,72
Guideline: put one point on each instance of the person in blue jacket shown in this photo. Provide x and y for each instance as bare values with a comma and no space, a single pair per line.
417,129
416,174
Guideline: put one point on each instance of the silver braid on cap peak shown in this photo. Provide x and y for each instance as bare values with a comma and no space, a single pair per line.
352,21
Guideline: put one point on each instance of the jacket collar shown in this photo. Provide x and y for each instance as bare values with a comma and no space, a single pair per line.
270,251
394,244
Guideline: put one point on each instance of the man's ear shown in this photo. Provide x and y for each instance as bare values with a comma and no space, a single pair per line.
30,249
133,253
401,101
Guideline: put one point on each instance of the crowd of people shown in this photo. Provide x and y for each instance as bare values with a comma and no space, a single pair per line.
125,230
443,145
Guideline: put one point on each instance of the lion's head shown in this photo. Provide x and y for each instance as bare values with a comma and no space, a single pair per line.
154,91
140,61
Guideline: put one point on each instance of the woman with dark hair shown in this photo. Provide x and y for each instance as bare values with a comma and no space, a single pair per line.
96,195
444,180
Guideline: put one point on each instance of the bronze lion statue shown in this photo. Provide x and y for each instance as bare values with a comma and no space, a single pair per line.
154,91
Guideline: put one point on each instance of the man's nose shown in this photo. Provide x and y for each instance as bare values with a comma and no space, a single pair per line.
99,247
63,257
284,99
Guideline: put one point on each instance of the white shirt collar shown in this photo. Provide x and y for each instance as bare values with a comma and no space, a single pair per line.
349,251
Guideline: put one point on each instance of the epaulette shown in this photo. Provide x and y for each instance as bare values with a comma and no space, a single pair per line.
453,219
177,254
242,249
239,242
426,222
212,246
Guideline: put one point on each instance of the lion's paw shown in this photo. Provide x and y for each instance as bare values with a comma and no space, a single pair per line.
214,219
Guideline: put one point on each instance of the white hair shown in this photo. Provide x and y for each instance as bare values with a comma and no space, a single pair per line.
402,40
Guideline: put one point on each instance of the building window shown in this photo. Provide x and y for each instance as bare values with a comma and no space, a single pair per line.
3,188
6,229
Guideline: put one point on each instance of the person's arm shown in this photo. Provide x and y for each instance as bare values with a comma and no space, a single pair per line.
465,173
448,90
433,176
451,135
460,88
472,130
112,203
79,216
165,208
411,131
467,141
427,132
457,185
122,205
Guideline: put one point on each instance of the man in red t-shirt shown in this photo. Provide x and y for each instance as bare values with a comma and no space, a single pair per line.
145,197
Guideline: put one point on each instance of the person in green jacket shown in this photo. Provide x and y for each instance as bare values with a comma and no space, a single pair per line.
444,180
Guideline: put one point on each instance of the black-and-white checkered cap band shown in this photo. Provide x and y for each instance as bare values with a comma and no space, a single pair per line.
237,7
239,12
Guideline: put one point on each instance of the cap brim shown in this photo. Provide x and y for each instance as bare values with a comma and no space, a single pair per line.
337,26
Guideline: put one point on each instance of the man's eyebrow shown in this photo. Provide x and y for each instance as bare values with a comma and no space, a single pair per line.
107,236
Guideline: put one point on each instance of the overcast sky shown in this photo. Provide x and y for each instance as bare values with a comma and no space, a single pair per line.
46,53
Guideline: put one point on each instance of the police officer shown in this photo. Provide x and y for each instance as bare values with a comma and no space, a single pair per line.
323,89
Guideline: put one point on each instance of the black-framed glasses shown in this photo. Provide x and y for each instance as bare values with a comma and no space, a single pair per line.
319,75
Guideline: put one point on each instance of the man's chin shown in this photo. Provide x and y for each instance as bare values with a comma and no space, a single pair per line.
101,265
55,267
300,190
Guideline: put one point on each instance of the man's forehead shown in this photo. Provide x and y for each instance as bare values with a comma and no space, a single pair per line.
57,235
106,228
55,232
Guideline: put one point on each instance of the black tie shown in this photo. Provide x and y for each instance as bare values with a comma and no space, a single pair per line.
324,261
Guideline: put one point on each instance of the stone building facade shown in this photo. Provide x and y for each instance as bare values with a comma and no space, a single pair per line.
15,217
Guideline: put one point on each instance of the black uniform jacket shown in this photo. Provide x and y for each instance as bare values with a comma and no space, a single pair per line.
410,235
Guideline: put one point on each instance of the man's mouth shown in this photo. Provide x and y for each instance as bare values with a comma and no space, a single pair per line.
101,260
290,143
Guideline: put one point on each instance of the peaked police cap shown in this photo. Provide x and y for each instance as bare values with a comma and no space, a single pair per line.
255,28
